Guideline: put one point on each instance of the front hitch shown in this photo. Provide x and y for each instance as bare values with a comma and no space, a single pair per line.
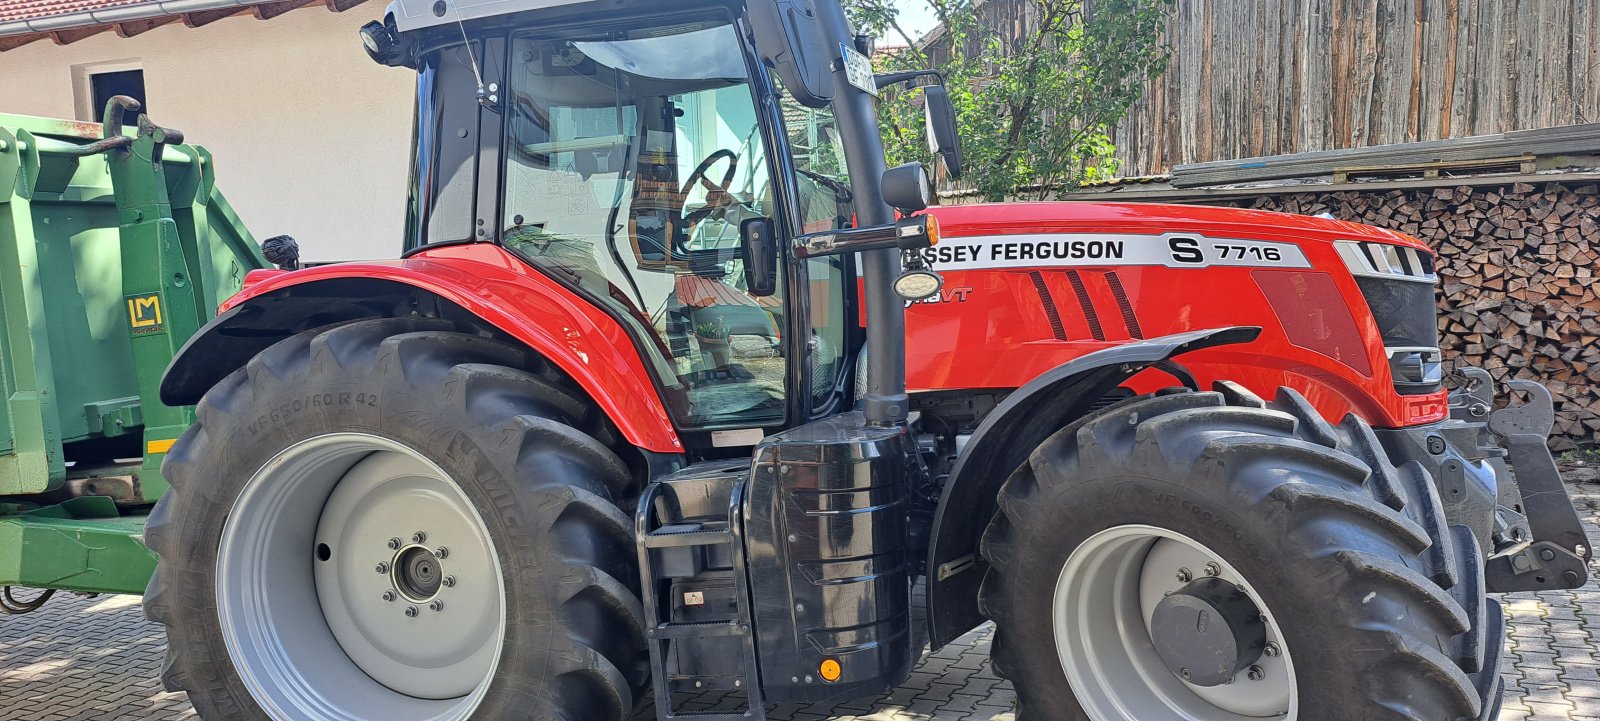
1554,553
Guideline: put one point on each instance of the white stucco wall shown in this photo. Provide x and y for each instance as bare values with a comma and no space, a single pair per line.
311,137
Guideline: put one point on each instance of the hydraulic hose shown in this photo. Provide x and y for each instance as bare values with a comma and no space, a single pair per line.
10,605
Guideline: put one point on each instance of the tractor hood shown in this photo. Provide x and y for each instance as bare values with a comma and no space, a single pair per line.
1345,307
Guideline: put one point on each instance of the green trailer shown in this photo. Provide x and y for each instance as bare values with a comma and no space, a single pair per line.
114,248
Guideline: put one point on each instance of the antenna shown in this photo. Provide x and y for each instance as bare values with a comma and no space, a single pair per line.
472,60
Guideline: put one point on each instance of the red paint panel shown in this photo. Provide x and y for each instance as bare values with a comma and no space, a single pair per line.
579,338
990,329
1314,316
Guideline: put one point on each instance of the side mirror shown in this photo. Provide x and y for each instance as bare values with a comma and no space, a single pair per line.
943,138
759,249
789,38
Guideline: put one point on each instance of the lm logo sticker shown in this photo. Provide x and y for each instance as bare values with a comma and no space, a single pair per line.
144,314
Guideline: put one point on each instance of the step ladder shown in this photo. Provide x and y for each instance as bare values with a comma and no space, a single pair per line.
685,550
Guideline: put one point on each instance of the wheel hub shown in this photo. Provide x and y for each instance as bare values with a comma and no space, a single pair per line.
410,626
418,574
1208,631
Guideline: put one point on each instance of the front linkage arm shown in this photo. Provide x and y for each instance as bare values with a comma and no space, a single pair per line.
1556,554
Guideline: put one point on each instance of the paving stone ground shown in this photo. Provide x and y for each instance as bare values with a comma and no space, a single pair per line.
97,659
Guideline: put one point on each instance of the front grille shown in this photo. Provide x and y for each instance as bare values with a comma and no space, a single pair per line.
1366,258
1398,284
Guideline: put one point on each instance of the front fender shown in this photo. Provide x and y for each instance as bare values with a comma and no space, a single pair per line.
478,283
1001,444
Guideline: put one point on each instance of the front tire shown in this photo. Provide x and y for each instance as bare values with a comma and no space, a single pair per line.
390,519
1372,607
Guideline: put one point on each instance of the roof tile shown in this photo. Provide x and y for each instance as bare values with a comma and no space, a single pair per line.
14,10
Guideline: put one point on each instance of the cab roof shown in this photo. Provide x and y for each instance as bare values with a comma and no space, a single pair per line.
419,14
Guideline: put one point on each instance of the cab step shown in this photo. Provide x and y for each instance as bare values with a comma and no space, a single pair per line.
698,622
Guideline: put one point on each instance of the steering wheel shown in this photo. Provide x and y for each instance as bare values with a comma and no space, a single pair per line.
718,195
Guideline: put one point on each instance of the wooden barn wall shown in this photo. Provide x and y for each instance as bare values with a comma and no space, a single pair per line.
1271,77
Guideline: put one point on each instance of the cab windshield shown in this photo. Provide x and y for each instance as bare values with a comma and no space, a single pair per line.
633,155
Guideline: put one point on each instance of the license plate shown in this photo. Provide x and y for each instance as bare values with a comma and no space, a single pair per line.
858,69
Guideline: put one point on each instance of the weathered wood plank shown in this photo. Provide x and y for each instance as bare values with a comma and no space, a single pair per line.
1313,93
1578,61
1269,77
1413,115
1442,33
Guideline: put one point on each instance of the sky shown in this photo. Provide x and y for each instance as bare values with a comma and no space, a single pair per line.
915,16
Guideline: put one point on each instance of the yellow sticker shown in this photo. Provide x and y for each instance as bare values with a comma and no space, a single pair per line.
154,447
144,313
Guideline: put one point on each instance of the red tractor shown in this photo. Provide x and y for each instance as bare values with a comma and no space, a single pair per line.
677,389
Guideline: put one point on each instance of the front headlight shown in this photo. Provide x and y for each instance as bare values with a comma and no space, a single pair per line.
1398,284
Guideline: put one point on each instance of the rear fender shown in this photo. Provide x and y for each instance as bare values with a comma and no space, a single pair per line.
475,284
1002,443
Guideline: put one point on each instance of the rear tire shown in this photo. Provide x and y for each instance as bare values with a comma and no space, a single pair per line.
506,467
1376,606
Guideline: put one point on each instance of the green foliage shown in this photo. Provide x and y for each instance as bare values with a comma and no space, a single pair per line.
1036,108
711,330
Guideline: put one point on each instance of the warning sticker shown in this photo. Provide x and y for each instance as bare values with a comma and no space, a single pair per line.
1173,250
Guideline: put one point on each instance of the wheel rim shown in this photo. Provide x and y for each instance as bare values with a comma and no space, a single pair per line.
1104,600
356,580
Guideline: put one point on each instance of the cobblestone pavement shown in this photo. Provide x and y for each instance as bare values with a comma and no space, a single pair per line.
98,659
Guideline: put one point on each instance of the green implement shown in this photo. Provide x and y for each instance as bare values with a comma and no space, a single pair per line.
114,249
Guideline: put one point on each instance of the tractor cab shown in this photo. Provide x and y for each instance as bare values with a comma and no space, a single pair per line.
658,163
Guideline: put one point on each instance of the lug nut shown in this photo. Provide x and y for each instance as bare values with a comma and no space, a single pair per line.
389,596
394,544
1184,673
1256,673
449,582
1184,575
437,605
411,612
1213,569
383,568
419,537
1272,650
442,552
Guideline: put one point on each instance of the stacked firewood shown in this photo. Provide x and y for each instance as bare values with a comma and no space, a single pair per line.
1519,274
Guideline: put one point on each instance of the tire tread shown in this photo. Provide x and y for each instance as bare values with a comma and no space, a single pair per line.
550,434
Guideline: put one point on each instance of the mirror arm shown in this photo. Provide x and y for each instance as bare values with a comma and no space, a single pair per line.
912,233
886,79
